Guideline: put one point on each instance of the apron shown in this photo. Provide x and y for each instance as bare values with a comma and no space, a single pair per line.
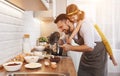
93,63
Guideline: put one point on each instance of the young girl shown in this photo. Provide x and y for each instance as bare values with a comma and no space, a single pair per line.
73,17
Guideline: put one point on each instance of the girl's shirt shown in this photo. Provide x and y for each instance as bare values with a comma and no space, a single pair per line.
88,33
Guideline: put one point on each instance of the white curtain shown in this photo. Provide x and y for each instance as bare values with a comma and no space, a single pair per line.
117,23
106,13
108,16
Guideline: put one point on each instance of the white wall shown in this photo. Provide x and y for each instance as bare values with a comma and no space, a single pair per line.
14,23
11,31
61,6
48,28
31,27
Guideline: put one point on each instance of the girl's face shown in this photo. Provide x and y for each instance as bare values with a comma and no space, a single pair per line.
73,18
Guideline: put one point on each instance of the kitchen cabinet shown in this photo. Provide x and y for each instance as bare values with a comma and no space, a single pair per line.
29,5
55,8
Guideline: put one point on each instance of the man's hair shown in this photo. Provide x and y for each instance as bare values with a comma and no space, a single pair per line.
61,17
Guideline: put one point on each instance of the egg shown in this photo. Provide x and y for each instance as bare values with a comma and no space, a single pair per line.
53,64
46,63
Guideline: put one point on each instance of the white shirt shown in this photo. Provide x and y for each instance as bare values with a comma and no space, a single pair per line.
89,34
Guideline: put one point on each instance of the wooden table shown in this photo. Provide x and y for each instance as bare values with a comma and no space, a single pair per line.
64,66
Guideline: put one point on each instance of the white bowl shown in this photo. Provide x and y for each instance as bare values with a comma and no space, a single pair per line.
33,65
31,59
41,56
36,53
46,63
40,48
12,66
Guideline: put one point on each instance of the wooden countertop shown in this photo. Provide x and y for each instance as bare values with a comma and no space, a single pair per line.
64,66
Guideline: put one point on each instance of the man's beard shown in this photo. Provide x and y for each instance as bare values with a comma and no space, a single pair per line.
68,32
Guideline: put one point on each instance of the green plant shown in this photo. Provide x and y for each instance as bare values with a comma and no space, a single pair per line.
43,39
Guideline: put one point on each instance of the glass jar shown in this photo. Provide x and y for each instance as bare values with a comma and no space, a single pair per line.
26,44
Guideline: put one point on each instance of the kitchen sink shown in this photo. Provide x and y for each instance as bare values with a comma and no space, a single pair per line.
38,74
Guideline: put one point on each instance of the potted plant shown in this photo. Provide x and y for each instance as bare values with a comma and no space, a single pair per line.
42,40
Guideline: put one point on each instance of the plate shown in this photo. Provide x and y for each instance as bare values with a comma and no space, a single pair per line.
33,65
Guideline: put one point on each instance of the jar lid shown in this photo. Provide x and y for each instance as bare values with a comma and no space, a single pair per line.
26,35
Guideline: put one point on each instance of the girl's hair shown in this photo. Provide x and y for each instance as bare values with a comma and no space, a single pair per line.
72,9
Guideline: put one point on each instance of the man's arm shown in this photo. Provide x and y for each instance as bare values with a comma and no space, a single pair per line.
80,48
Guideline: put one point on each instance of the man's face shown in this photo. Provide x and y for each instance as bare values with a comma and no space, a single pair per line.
63,26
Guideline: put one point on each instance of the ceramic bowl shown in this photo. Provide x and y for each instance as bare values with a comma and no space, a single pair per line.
41,56
31,59
55,59
40,48
12,66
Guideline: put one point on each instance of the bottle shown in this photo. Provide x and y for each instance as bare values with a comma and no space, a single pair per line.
26,44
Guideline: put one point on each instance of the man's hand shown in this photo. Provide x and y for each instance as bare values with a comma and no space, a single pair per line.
66,47
68,39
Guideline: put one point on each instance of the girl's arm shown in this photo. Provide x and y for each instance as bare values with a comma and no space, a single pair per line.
74,32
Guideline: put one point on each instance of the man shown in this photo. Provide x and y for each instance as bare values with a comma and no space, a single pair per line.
94,58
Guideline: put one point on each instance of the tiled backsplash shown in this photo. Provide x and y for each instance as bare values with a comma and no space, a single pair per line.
14,23
11,31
